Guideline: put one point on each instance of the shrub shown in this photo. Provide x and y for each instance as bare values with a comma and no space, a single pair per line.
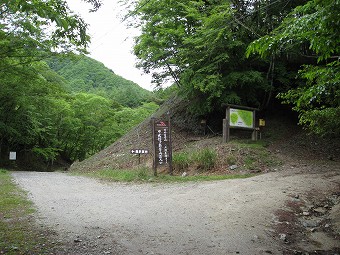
206,159
180,161
250,162
142,173
231,160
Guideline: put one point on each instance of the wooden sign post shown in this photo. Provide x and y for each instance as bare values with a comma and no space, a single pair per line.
162,146
139,152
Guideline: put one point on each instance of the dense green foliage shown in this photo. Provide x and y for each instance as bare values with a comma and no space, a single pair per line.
33,28
70,115
202,44
206,46
311,30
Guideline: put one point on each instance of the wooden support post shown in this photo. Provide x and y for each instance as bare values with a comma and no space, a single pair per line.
226,131
226,126
154,163
254,134
170,151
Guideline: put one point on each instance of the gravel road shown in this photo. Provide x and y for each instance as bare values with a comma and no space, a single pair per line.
224,217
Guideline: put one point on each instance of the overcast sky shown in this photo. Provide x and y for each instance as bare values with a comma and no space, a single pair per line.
111,42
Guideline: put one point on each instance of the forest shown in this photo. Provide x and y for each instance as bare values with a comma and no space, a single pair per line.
55,102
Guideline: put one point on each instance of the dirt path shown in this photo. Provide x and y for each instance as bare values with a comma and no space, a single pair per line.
224,217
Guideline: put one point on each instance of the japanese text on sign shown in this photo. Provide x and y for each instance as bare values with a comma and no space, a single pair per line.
162,142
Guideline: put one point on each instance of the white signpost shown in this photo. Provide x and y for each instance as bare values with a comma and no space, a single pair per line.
139,152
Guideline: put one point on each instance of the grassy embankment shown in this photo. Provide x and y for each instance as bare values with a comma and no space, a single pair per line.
202,163
18,232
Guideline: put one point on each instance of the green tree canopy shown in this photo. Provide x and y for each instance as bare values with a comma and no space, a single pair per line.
32,27
202,44
311,31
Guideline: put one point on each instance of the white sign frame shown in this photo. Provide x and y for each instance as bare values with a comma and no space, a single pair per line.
12,155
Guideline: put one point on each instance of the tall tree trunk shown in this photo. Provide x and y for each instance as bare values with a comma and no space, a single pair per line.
270,79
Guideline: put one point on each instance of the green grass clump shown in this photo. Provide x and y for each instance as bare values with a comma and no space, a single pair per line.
17,235
181,161
122,175
250,162
231,160
205,159
114,175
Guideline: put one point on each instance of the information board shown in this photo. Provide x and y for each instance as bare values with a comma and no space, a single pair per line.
241,118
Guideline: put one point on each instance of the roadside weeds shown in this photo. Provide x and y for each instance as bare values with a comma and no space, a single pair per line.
19,233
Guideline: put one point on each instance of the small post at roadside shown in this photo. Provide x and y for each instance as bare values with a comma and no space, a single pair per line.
154,164
139,152
262,124
170,149
13,157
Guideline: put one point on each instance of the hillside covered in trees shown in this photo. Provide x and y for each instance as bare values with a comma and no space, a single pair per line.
74,108
84,74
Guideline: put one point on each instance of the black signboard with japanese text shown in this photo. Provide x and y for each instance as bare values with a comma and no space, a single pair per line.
162,144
